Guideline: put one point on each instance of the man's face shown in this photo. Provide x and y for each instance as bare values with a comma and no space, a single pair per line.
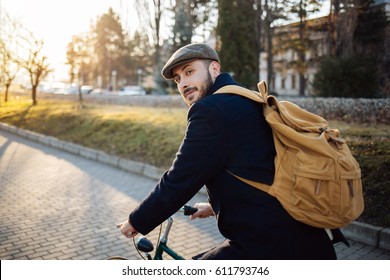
194,79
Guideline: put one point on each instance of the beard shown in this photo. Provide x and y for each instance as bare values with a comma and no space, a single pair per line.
208,83
202,90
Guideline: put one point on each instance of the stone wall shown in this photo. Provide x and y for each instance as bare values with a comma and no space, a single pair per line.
361,110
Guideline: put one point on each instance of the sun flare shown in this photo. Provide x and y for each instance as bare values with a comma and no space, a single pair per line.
55,22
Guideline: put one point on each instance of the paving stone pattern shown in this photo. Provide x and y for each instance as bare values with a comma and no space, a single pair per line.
57,205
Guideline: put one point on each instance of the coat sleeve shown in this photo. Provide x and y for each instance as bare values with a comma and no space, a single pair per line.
201,155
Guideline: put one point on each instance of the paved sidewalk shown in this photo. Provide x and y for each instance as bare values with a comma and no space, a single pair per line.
57,205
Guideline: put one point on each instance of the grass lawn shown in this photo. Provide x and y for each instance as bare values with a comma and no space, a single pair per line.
153,135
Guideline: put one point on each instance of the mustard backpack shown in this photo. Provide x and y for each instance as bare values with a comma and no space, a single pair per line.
317,180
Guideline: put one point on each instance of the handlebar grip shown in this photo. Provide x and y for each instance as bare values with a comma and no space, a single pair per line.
189,210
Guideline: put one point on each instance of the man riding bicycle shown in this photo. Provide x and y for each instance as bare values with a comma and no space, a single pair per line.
226,134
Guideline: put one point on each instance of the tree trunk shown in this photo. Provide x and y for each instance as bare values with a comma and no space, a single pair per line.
270,58
34,95
301,84
6,92
80,97
157,57
302,57
269,38
258,35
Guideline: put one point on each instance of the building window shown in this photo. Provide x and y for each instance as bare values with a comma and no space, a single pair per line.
293,81
283,83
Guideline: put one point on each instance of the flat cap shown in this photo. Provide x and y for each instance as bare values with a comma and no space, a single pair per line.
187,53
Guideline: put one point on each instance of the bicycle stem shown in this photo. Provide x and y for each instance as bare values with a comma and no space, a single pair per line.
164,238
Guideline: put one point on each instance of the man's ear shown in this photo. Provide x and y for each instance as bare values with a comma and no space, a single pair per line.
214,69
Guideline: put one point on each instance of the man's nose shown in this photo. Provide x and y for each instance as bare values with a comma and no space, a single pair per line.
183,84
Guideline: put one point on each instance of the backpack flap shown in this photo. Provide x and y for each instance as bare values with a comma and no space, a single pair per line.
296,117
292,115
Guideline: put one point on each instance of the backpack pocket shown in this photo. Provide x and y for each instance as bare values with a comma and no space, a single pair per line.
314,188
351,202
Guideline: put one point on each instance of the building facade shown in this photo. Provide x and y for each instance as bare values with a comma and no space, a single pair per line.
285,76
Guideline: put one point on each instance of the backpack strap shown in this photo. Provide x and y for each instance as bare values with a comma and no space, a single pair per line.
260,97
253,95
257,185
262,86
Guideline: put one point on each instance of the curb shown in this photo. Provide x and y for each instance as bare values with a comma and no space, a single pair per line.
375,236
378,237
143,169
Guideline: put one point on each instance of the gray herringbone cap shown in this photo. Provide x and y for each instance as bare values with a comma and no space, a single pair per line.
187,53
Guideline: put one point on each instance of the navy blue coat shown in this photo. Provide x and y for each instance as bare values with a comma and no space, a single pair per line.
227,132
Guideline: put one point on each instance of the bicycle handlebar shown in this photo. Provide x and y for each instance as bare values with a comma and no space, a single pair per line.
143,244
186,209
189,210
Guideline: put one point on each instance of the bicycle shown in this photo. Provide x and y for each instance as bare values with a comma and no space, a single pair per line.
144,245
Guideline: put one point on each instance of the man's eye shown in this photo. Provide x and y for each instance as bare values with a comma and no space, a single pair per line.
176,80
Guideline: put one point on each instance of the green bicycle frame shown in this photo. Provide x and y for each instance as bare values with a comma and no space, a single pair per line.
163,247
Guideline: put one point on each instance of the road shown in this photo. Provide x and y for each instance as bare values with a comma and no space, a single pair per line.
57,205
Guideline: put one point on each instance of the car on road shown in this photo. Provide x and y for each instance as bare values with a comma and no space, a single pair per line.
86,89
98,91
132,90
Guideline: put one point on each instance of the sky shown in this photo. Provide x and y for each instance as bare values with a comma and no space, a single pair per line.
56,21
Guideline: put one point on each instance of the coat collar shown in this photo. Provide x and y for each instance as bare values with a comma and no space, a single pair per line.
222,80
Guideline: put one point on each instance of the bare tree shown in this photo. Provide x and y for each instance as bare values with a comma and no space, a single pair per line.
35,64
9,67
274,10
79,56
299,41
150,13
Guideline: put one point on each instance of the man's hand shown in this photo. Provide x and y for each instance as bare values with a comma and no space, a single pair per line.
204,211
127,229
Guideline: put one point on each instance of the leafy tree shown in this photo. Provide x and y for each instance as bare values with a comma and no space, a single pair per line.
356,27
110,46
205,13
370,40
155,15
94,56
191,16
240,44
137,58
79,54
182,30
353,76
